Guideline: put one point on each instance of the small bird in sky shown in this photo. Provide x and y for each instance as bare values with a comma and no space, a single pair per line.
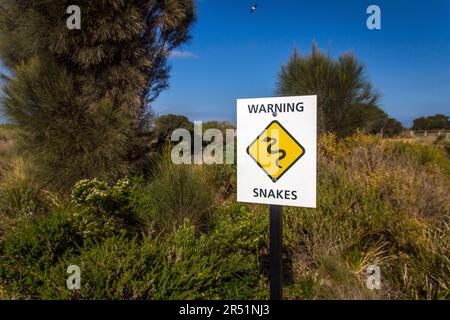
253,8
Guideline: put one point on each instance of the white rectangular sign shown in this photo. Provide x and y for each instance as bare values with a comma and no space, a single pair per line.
277,150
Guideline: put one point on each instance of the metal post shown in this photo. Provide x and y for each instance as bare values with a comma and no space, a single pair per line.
276,281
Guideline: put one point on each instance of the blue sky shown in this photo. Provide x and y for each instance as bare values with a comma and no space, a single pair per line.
234,54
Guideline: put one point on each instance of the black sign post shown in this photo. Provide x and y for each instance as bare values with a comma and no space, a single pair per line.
276,282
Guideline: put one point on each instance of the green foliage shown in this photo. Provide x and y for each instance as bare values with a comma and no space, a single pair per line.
65,141
29,252
175,193
220,125
238,222
6,140
22,199
346,100
388,127
20,196
305,287
43,239
379,202
6,126
222,177
444,143
102,210
422,154
182,264
81,97
436,122
166,124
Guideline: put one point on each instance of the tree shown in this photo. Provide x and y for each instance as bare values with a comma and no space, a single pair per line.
346,99
166,124
436,122
81,97
220,125
392,127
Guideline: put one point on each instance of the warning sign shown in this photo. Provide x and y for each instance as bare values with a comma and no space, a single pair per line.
276,150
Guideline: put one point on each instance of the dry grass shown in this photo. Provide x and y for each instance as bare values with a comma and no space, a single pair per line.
6,141
380,202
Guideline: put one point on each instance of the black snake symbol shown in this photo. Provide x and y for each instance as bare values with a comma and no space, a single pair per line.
269,150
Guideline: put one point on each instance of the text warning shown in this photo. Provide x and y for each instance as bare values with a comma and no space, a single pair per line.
276,151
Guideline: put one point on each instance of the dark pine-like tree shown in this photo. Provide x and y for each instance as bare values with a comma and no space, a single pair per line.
347,101
81,97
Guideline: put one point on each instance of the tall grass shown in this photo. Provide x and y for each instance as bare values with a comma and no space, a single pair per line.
21,196
175,193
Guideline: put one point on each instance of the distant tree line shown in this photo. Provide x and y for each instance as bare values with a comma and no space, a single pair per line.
166,124
436,122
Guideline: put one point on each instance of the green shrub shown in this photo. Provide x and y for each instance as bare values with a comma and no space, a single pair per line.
444,143
29,252
176,192
222,177
102,210
304,288
422,154
117,268
6,133
182,264
205,267
21,200
20,196
239,222
379,202
165,125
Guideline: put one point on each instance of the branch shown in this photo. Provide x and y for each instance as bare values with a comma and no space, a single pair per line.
4,77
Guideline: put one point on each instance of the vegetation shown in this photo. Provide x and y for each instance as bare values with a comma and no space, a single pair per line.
124,260
379,202
166,124
80,97
176,192
86,179
347,101
436,122
180,235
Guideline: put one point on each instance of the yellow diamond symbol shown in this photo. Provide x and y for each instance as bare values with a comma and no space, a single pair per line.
275,150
